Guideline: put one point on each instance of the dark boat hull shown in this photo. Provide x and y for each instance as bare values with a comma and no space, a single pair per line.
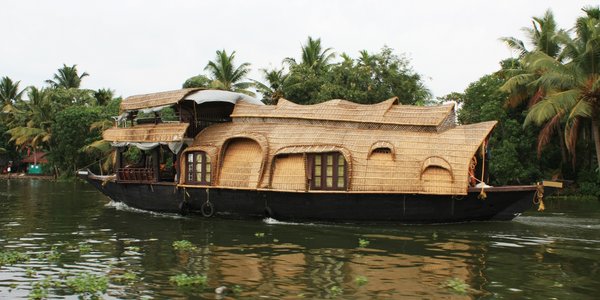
503,203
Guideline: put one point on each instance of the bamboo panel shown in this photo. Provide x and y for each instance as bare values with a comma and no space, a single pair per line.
289,173
436,180
162,132
242,163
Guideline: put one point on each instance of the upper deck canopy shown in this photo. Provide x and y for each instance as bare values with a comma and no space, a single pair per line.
157,101
385,113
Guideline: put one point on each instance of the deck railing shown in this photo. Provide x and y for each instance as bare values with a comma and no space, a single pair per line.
136,174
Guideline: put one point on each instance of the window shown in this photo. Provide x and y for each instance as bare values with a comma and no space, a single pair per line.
329,171
382,150
198,168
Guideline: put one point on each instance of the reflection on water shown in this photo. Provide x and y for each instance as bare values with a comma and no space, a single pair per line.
539,255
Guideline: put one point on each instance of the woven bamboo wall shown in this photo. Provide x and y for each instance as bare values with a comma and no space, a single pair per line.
289,173
241,166
162,132
436,180
401,173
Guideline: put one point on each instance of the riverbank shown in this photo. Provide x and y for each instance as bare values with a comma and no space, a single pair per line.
26,176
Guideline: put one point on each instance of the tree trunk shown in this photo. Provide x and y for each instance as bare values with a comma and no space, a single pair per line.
596,137
563,147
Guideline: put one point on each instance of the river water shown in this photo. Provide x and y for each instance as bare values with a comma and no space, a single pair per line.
66,229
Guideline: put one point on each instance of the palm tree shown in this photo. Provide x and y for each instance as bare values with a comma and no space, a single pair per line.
226,76
37,113
274,90
523,83
9,95
67,77
103,96
9,91
544,36
314,56
102,149
572,81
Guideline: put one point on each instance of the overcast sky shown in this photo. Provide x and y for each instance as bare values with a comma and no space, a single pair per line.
137,47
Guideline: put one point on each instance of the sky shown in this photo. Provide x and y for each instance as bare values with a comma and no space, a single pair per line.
137,47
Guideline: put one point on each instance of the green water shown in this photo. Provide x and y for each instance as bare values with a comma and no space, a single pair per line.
68,229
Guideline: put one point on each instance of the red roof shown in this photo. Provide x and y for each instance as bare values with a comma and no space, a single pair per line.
38,157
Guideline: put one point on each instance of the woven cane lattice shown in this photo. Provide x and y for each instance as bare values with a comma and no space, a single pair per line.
241,167
162,132
289,173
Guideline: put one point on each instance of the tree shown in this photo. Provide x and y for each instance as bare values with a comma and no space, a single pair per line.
274,90
523,83
369,79
314,56
542,35
9,91
67,77
572,82
71,132
198,81
226,76
35,118
512,154
9,95
103,96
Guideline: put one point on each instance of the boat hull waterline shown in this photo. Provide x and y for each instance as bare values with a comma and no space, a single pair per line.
502,203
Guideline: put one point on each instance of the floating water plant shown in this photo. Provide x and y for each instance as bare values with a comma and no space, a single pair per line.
335,291
184,245
86,283
38,292
457,285
259,234
53,255
134,248
184,280
85,248
29,272
363,243
12,257
127,277
361,280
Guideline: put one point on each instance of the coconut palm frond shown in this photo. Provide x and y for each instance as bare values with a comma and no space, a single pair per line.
515,44
571,136
100,146
101,125
547,132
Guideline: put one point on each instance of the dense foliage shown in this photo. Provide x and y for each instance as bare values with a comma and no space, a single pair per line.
513,158
546,102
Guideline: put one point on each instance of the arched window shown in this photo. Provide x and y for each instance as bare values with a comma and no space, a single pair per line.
198,168
382,150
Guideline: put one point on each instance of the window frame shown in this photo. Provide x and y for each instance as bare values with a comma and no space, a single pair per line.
321,183
192,172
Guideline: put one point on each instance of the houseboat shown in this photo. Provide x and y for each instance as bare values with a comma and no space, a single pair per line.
226,154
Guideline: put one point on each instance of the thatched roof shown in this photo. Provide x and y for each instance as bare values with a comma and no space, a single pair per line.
383,113
155,99
162,132
421,162
197,95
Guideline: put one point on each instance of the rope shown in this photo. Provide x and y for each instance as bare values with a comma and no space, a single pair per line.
538,197
99,160
482,194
